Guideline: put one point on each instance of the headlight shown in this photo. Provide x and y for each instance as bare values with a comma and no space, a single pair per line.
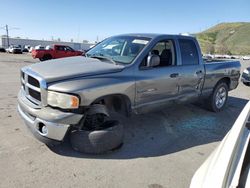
246,71
62,100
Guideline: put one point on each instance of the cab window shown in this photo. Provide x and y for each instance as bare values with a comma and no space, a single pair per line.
60,48
189,54
67,48
166,51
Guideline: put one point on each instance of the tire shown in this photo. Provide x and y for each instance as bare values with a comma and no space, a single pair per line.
98,141
218,99
246,83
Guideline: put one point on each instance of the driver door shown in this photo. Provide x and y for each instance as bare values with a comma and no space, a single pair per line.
60,52
158,86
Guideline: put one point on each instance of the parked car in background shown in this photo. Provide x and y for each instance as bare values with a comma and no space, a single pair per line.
15,49
235,57
246,57
208,56
218,56
2,49
48,47
57,51
227,57
245,78
31,48
228,165
134,73
39,47
222,56
26,48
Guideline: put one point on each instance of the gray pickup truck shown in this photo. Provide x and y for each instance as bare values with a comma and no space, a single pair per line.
131,73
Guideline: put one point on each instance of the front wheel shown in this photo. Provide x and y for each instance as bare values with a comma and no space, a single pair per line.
109,138
218,99
96,133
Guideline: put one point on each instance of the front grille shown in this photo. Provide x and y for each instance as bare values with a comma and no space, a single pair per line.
33,81
35,94
22,75
31,87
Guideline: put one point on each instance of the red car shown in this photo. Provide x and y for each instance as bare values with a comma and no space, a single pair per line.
58,51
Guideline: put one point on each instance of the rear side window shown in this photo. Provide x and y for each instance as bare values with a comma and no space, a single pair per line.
60,48
67,48
189,54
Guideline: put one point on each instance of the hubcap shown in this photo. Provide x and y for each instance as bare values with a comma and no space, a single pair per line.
220,97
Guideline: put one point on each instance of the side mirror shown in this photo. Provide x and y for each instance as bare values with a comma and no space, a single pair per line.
153,60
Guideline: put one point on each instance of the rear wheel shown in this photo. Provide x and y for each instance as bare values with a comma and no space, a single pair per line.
218,99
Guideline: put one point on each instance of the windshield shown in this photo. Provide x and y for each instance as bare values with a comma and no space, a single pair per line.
121,49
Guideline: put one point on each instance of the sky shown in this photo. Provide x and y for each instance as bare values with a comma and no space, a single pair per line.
89,20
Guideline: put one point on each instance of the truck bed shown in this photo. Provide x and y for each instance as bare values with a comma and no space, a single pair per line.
217,69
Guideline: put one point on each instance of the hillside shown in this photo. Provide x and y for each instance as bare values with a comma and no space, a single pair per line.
226,38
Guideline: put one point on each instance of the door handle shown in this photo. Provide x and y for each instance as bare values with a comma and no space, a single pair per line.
198,72
174,75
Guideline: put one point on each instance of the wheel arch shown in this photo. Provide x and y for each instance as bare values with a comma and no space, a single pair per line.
116,102
226,80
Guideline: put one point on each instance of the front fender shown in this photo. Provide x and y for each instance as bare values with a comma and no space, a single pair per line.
90,89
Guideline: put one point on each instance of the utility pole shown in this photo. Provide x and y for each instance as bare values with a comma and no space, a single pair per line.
6,28
7,33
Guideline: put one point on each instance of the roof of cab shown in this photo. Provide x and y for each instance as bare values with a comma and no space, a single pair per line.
154,35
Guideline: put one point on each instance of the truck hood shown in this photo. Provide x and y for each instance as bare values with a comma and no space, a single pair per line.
71,67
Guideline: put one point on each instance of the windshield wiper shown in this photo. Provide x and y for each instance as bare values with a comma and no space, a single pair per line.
103,57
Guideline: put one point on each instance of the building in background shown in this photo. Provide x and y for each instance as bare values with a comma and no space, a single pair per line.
44,43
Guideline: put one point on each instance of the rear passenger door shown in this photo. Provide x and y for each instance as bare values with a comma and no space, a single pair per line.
191,70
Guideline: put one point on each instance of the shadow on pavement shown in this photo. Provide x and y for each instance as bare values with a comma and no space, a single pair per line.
174,129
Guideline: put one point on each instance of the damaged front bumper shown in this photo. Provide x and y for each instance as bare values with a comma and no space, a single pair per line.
47,124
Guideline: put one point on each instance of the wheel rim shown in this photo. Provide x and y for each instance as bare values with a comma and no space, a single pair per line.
220,97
